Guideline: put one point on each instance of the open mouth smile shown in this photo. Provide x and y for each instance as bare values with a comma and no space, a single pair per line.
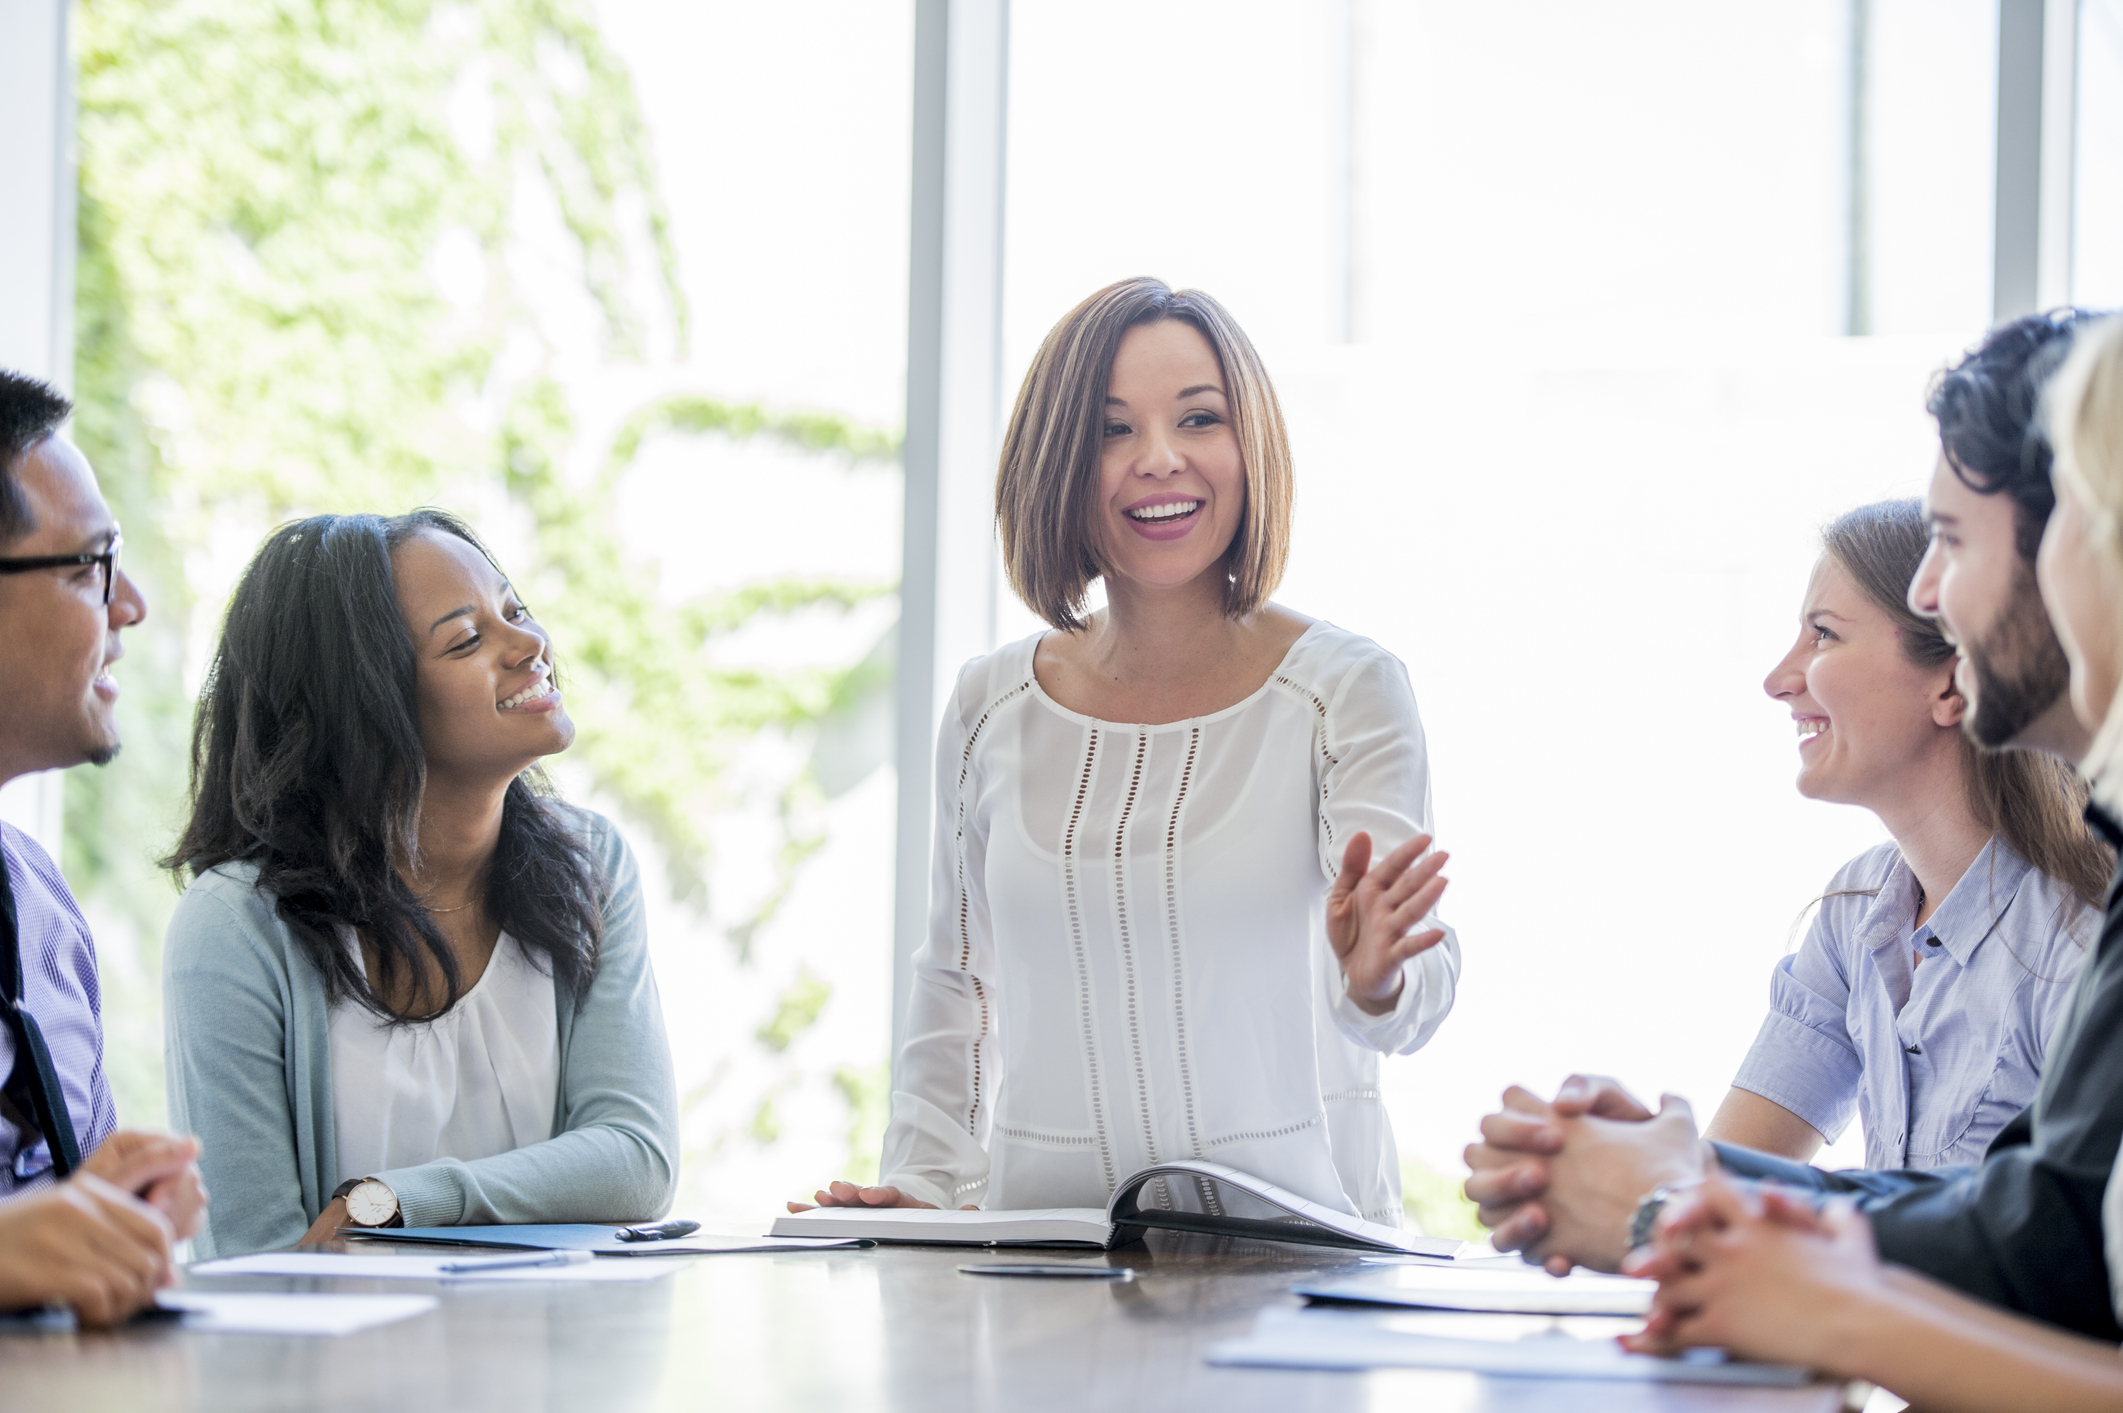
537,694
1164,517
1163,513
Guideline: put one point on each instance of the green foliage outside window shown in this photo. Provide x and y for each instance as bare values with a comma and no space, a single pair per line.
299,291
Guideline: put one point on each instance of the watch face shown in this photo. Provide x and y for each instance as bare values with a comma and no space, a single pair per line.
371,1204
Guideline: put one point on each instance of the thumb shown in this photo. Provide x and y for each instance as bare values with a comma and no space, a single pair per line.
1356,862
1673,1106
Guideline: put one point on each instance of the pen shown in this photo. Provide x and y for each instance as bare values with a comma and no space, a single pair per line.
658,1231
517,1263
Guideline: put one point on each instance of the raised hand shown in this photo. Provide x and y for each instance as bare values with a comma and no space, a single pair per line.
84,1243
1370,911
847,1194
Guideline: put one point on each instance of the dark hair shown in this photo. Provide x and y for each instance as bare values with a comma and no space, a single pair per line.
306,762
2035,801
30,411
1987,406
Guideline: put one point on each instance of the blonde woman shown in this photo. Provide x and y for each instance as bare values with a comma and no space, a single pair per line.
1183,889
1767,1275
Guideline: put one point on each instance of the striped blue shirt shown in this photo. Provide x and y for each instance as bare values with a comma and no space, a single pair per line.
1933,1055
59,988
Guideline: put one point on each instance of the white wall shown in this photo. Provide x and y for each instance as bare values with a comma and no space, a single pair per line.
37,251
1571,467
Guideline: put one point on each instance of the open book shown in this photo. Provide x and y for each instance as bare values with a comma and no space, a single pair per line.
1186,1194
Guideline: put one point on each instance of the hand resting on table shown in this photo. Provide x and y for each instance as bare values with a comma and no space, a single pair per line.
847,1194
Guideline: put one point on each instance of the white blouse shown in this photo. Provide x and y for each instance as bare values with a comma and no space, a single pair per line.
1127,959
482,1078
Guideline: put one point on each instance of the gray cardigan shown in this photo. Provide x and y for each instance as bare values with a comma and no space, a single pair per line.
249,1054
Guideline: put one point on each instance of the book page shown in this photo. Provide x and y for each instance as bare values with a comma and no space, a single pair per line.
1067,1225
1191,1194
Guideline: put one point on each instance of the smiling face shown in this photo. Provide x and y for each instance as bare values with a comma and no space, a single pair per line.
58,639
1172,484
1973,580
489,708
1869,719
2082,589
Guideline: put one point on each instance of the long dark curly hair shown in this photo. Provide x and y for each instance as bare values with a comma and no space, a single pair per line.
306,762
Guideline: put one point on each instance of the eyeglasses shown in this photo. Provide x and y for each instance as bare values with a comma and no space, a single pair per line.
107,561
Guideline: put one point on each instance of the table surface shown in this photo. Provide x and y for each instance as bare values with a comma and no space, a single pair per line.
892,1328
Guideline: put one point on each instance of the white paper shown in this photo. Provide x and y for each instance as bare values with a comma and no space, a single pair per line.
1508,1346
697,1244
425,1268
1526,1290
255,1312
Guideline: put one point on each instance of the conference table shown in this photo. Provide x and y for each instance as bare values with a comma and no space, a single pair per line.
888,1328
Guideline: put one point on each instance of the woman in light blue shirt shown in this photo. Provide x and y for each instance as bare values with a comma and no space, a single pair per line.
1939,964
407,987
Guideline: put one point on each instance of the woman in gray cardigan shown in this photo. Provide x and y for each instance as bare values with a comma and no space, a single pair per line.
406,986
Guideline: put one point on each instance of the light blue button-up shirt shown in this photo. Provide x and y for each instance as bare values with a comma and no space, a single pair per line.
1934,1056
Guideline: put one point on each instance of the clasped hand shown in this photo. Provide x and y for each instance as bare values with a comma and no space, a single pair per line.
1761,1272
99,1241
1371,912
1560,1181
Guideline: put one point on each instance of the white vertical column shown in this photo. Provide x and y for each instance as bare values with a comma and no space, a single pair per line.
2060,123
2037,69
37,254
1857,187
1343,26
949,573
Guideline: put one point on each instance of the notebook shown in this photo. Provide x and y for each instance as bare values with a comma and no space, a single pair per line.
1526,1291
1531,1347
1186,1194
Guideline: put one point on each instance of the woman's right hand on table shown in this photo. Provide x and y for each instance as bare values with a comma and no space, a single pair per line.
847,1194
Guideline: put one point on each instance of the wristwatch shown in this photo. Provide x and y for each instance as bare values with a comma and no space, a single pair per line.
1646,1215
370,1203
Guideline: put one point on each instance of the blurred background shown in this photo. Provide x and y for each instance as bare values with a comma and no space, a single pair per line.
1585,318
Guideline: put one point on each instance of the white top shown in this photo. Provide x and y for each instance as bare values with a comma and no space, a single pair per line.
1127,959
481,1079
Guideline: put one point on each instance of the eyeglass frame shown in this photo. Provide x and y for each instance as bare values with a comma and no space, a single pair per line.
108,559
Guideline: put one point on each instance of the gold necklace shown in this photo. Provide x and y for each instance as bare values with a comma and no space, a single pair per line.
458,909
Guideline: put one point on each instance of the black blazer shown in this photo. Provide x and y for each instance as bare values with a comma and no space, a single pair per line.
2022,1228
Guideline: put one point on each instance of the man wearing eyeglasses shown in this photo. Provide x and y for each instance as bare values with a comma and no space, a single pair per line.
87,1213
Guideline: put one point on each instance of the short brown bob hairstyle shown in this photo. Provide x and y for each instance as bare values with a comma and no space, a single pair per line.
1046,489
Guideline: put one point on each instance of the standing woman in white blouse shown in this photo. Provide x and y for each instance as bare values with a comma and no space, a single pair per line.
1183,890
